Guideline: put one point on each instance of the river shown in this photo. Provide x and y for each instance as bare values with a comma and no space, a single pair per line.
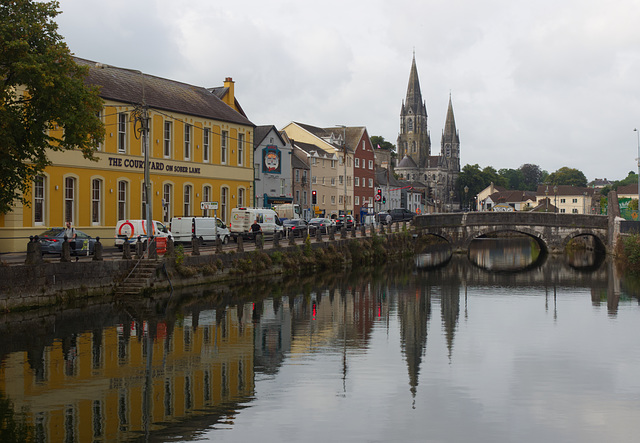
504,345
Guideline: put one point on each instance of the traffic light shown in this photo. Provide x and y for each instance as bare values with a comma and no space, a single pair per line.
380,192
384,200
314,197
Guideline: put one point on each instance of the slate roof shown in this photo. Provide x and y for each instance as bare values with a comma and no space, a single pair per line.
133,87
564,190
407,162
631,188
261,132
512,196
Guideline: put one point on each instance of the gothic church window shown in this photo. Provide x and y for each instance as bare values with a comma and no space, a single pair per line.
410,125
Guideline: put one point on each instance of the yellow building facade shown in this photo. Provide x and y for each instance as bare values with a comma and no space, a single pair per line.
200,144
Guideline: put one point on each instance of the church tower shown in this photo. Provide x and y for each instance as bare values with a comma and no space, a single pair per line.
413,140
450,143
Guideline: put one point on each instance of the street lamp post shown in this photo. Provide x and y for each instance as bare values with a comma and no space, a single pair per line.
638,159
466,191
555,198
344,150
546,199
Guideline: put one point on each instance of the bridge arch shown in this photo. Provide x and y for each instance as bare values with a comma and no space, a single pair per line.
600,240
540,238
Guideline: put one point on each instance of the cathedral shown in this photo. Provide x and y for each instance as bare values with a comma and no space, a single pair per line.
437,173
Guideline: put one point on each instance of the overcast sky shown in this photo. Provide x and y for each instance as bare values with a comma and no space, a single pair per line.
550,82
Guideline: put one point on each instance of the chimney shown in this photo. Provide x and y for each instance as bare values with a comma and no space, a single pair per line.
229,99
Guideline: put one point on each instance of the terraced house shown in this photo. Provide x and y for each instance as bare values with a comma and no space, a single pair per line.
200,150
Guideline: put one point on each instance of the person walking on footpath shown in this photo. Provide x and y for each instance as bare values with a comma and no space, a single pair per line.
70,232
256,228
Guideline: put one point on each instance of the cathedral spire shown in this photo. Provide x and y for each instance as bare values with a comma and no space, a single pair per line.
414,94
450,122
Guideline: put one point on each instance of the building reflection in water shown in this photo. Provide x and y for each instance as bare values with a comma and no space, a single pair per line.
128,375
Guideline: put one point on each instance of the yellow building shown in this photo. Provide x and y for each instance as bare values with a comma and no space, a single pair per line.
200,151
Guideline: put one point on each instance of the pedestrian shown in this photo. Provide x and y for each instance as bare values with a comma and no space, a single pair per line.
256,228
70,233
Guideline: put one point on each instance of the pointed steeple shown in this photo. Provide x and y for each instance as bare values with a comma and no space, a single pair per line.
413,100
450,122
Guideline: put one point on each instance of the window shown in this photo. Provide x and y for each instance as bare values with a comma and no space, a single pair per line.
168,129
357,162
304,177
575,200
38,200
314,161
224,202
187,142
122,200
205,145
187,200
562,200
562,211
297,175
304,198
167,191
323,201
333,199
357,179
298,197
340,199
223,147
371,183
341,179
333,181
96,193
122,132
69,195
357,200
370,164
240,149
313,179
333,164
206,197
240,197
574,211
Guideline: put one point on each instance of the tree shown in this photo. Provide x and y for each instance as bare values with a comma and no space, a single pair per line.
42,88
532,176
377,140
567,176
514,178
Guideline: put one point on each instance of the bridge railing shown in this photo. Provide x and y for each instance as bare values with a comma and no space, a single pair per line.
511,218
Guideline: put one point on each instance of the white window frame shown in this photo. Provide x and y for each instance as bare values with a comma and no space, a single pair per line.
224,140
96,201
39,200
224,203
70,185
206,197
240,150
187,201
167,209
167,138
122,132
187,141
122,194
206,145
241,197
357,164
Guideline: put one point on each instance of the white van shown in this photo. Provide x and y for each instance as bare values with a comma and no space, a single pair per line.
204,228
130,230
243,218
288,211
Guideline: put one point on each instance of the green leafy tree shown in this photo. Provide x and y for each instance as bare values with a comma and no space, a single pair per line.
42,87
567,176
532,176
514,178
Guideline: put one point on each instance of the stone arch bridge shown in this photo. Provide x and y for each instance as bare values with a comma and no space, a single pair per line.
551,230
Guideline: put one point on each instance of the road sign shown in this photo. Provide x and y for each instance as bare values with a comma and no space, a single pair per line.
377,197
208,205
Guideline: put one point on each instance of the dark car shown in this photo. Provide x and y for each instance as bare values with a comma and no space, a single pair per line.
51,242
345,220
295,226
324,224
402,214
383,217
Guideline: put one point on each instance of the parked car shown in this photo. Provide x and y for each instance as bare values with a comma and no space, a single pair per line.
51,242
383,217
324,224
295,226
345,220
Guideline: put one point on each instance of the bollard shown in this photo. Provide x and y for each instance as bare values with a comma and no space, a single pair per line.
218,245
126,250
276,240
260,241
292,238
34,251
363,230
171,247
240,240
97,250
353,231
66,251
139,248
195,246
153,249
332,234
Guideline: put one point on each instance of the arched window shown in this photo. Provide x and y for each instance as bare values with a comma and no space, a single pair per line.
206,197
187,200
167,191
39,202
122,199
410,125
69,199
224,203
96,201
240,197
